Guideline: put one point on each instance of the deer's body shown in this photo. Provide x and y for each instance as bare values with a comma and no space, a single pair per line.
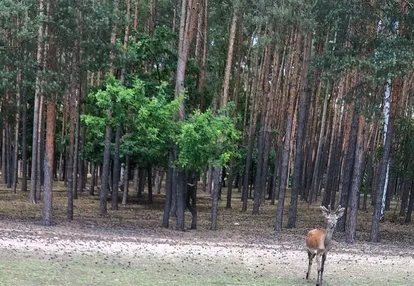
319,241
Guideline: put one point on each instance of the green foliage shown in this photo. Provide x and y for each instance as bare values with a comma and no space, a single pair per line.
403,159
206,139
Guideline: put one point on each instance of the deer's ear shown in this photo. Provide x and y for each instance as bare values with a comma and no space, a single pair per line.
340,212
325,211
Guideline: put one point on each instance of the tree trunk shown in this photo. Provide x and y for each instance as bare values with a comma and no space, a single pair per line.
24,147
297,168
168,191
188,12
39,61
105,169
76,150
16,132
4,152
215,192
374,237
93,180
149,173
126,181
356,182
404,198
141,182
288,136
40,149
115,180
349,165
47,207
230,184
410,205
318,157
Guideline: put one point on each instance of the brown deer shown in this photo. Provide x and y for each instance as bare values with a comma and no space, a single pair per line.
319,241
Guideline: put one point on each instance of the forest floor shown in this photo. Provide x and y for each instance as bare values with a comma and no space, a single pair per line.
128,247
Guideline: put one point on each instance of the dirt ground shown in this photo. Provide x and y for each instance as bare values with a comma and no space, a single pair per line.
128,247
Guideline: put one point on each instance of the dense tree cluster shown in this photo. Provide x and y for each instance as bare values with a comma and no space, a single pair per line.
301,100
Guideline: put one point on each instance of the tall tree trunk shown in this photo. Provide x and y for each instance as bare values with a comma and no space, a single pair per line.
76,150
168,191
151,20
384,167
93,180
105,169
410,205
288,135
24,146
223,103
188,12
126,37
4,152
126,181
115,180
149,173
215,186
47,207
349,164
16,132
39,61
40,149
318,157
356,182
75,92
297,168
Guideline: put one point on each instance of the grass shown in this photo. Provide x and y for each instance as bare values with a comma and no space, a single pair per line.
19,268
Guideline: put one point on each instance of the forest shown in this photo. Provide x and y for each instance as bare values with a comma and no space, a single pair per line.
245,104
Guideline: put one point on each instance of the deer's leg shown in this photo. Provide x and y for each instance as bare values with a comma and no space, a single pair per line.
323,265
310,256
319,262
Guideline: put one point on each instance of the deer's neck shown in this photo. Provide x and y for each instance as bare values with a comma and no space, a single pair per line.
328,235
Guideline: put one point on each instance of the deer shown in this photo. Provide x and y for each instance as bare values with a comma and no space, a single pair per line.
319,241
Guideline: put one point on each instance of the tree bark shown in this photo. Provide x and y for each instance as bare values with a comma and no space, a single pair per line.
356,182
115,175
16,132
297,168
126,181
168,191
149,173
93,180
24,146
410,205
47,207
349,164
39,61
374,236
288,135
105,169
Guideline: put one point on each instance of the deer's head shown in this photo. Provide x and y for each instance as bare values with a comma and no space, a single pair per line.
332,216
